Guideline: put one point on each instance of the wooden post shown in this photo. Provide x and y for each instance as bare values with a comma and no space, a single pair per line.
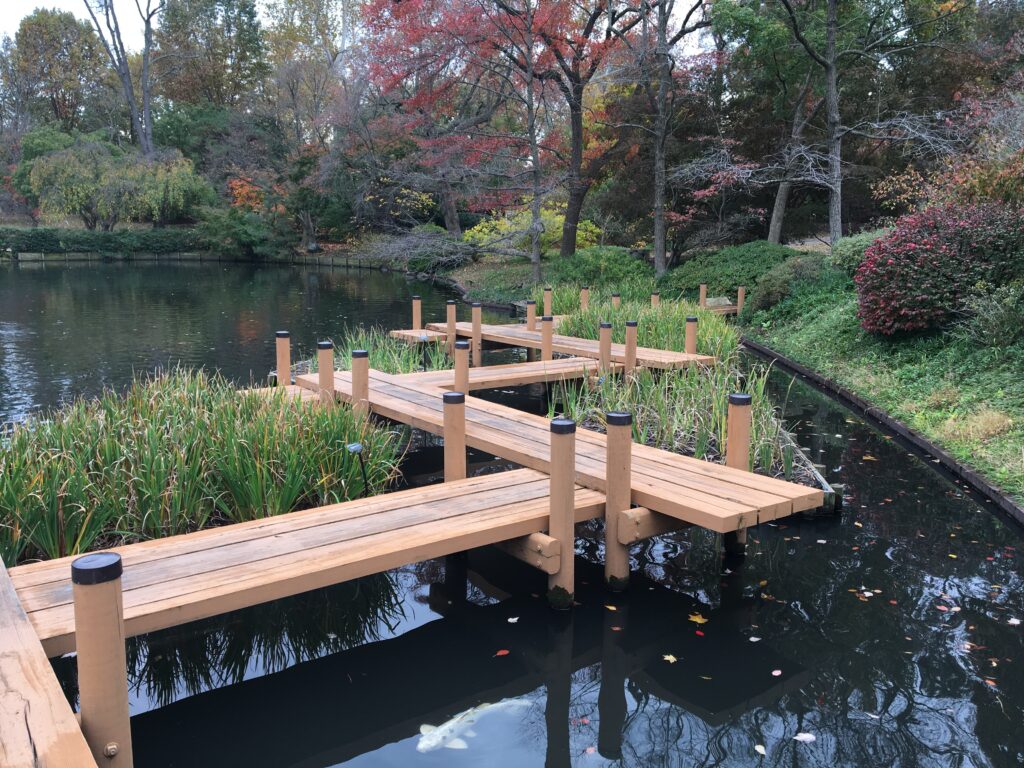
361,381
531,315
618,495
562,521
478,348
611,699
616,300
283,345
702,299
462,366
102,670
548,302
451,335
655,299
584,297
547,332
691,335
741,298
325,366
454,436
737,453
631,331
417,313
605,347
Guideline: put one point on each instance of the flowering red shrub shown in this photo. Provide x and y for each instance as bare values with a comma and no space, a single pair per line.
916,277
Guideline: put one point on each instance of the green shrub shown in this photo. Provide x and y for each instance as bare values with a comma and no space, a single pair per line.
602,266
848,253
239,234
779,282
176,453
724,270
514,231
994,318
55,240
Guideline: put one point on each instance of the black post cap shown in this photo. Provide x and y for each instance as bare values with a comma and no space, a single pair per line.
691,319
586,287
563,426
739,399
656,293
453,398
616,295
547,319
477,304
451,301
415,298
606,325
462,345
618,419
531,301
631,323
547,288
325,345
283,334
96,568
360,353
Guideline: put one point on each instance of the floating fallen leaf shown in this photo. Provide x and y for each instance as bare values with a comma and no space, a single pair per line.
590,750
1013,622
698,633
755,639
670,658
616,629
513,619
804,738
776,673
759,748
705,677
892,602
822,541
858,524
763,583
611,608
869,457
502,652
941,608
952,556
696,618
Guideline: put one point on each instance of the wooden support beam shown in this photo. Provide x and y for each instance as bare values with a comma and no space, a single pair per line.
531,315
102,669
737,451
454,436
640,523
462,366
283,348
562,522
417,313
325,369
691,335
631,331
548,301
741,298
702,296
618,491
616,300
537,549
655,299
361,381
547,334
450,320
605,347
584,297
478,346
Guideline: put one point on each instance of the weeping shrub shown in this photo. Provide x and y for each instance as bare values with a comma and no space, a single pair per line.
917,277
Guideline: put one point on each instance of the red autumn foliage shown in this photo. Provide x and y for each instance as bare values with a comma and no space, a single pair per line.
916,277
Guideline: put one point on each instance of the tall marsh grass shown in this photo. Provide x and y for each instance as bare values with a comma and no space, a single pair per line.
387,354
177,452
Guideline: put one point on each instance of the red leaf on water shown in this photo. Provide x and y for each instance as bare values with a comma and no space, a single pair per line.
502,652
699,633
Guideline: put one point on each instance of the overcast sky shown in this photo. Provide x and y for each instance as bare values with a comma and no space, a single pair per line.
13,11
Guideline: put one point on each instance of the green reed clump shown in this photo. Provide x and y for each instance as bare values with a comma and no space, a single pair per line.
387,354
684,411
661,327
177,452
565,297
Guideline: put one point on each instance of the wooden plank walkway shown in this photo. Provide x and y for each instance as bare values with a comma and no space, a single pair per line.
37,727
183,578
420,337
511,375
518,336
695,491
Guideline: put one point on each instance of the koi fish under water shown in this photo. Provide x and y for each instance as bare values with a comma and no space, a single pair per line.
450,733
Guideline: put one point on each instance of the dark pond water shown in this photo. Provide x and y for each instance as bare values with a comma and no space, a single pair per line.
888,632
69,330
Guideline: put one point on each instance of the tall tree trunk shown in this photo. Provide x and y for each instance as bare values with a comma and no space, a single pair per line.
779,211
309,242
536,175
835,136
660,137
449,210
578,188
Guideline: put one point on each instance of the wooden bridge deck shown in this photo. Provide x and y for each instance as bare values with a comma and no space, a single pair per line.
694,491
518,336
37,727
170,581
511,375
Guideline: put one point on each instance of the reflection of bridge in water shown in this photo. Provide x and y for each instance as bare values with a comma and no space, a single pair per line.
326,711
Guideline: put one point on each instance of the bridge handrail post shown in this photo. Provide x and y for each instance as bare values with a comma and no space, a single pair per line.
454,436
561,515
618,495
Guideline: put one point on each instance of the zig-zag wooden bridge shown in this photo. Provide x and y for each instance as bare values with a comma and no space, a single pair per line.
90,604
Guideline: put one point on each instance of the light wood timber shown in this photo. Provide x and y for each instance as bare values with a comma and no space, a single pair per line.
640,523
182,578
477,340
548,301
37,727
538,549
546,336
702,295
509,375
417,313
605,347
450,319
655,299
741,298
419,336
619,471
283,352
562,521
531,316
454,436
584,298
631,332
462,367
360,381
325,371
691,336
616,300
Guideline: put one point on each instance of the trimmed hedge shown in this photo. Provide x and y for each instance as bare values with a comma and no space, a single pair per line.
725,270
917,277
55,240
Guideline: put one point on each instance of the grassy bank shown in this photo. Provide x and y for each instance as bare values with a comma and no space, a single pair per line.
176,453
965,397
